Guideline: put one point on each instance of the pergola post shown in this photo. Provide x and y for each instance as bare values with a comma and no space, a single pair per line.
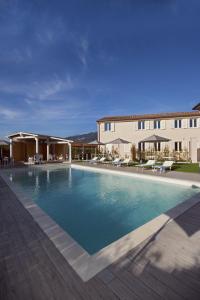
11,148
70,152
48,146
36,145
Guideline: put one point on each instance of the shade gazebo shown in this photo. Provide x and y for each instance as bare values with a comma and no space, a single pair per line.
25,145
118,142
154,139
98,144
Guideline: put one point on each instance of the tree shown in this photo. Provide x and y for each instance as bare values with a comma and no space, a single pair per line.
133,152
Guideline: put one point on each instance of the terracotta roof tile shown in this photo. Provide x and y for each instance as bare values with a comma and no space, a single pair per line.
151,116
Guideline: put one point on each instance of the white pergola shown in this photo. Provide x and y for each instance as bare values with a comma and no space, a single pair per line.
49,140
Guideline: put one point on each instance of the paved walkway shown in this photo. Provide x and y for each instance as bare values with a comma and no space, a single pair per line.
165,267
169,174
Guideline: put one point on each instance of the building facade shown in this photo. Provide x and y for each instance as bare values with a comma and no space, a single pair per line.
182,129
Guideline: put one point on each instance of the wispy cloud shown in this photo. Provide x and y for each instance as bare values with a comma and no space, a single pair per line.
9,114
48,89
16,55
47,33
83,50
39,90
50,110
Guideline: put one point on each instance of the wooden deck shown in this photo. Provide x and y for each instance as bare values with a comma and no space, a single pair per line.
165,267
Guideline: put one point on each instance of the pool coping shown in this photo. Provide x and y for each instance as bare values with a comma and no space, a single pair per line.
84,264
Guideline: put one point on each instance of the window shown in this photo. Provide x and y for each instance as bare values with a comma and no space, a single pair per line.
177,123
141,146
156,124
107,126
193,123
178,146
141,125
157,146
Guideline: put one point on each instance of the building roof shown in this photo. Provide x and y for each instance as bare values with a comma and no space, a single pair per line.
151,116
24,135
4,143
197,107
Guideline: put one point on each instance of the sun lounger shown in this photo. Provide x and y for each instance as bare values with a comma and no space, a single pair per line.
102,160
167,165
116,161
124,162
149,164
94,160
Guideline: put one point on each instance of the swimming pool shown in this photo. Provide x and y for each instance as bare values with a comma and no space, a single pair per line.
98,208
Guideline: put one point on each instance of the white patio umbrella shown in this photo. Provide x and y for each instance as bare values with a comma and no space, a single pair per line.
118,142
95,142
155,139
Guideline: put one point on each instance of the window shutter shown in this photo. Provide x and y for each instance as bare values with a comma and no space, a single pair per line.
162,124
172,124
112,126
136,125
185,123
147,125
151,124
198,122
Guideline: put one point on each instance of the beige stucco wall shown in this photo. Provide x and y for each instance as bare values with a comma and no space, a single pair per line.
190,137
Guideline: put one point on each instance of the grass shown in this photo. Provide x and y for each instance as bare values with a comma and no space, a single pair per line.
190,168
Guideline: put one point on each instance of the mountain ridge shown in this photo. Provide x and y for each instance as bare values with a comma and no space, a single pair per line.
84,138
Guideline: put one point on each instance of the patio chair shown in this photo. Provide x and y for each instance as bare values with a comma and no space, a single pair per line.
50,157
38,159
60,157
167,165
31,160
149,164
5,161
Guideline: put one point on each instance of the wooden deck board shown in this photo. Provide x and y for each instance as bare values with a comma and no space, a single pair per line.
167,266
123,292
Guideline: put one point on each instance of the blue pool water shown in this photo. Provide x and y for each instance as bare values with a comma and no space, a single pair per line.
98,208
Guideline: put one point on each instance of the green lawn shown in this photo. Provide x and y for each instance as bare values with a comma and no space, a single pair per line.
191,168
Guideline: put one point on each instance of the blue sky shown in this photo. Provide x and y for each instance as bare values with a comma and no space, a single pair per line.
64,64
